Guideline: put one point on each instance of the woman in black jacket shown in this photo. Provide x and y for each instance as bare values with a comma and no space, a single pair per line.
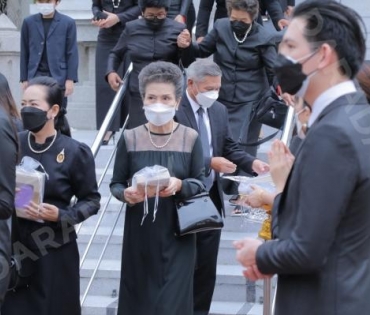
245,52
151,38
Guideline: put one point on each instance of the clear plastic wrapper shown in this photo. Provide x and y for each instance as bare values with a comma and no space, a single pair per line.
30,184
264,181
151,180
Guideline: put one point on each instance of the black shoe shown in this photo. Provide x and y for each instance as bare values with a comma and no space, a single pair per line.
109,135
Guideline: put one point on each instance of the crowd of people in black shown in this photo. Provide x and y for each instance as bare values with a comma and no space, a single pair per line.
190,102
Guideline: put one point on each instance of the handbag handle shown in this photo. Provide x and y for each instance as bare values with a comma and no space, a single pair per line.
198,182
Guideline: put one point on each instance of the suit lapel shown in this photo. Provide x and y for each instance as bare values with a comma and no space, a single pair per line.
186,110
54,23
39,25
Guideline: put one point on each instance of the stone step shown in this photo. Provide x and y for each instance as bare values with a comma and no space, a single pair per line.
102,305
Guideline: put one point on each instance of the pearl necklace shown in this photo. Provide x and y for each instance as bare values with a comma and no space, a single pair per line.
168,140
116,6
241,41
44,150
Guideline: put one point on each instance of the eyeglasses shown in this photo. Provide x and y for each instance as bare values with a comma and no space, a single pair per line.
159,16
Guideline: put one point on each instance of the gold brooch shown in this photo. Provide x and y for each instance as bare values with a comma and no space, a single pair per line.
60,157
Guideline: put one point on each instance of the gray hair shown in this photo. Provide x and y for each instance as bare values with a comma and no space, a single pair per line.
161,72
202,68
249,6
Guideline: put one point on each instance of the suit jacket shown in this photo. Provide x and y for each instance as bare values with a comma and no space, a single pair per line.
247,68
61,42
222,143
321,221
205,8
143,46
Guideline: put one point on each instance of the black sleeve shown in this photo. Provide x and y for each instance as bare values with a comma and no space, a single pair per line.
233,153
8,161
208,45
117,53
84,186
306,248
268,53
120,177
129,15
96,7
185,4
274,10
204,13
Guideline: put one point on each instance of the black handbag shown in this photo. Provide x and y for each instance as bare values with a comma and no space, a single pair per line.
22,267
270,111
196,214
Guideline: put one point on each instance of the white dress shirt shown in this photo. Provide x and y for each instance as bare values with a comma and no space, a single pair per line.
329,96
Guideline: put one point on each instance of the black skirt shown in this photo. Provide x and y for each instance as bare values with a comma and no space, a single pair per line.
54,288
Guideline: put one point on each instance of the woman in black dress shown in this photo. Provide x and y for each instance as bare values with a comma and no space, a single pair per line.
157,267
55,285
111,17
152,38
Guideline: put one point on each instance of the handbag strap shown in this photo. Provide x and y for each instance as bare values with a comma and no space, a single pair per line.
198,182
259,142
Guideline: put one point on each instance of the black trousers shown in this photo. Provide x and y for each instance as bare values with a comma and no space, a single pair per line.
207,244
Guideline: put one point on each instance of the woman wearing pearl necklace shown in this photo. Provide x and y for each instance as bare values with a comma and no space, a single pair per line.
157,267
48,236
245,52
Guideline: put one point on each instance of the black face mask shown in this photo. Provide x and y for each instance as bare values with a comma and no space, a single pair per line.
239,27
34,119
154,24
289,74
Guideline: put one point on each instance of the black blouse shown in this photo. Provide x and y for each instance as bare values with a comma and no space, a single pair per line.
74,175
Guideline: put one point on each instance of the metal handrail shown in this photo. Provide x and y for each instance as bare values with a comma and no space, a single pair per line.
111,113
104,128
102,254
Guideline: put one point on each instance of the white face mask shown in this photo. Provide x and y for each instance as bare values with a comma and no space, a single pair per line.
207,99
159,114
45,8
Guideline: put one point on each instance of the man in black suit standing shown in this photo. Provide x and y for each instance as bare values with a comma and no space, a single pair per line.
321,215
200,110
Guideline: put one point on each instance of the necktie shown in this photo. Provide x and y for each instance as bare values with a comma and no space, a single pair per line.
205,144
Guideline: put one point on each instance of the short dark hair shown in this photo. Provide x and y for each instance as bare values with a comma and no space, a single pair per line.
249,6
337,25
54,95
143,4
161,72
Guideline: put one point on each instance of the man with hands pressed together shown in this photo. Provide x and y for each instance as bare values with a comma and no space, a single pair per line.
321,216
200,110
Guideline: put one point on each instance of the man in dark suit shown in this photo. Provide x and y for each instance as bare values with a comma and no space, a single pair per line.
273,8
49,47
200,110
321,216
